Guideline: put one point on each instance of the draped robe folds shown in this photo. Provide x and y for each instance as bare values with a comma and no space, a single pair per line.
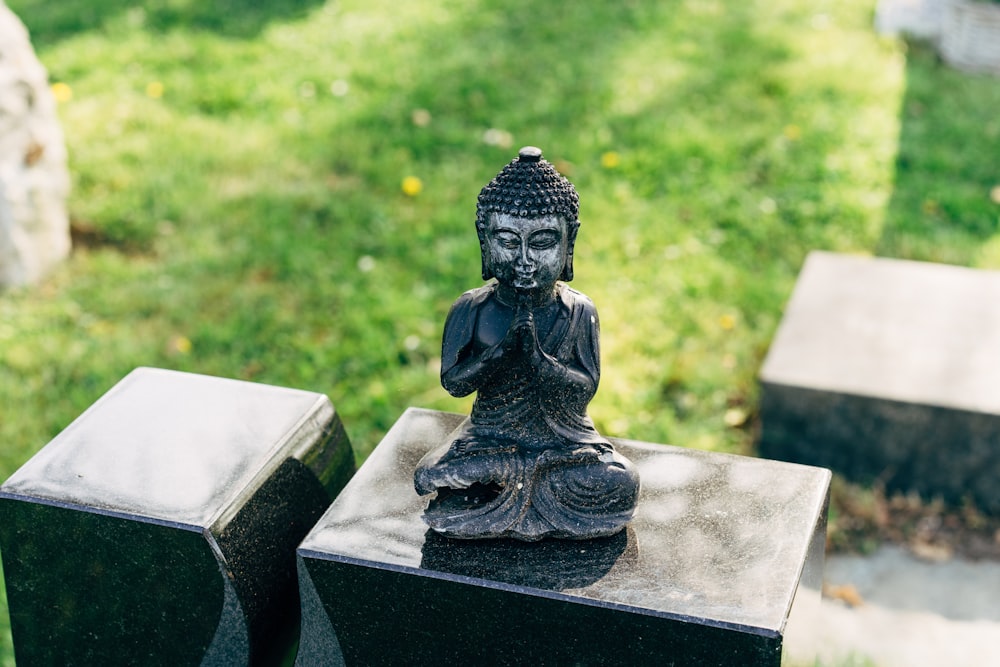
535,412
529,437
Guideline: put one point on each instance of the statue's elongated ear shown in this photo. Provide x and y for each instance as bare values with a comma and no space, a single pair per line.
487,271
484,249
572,227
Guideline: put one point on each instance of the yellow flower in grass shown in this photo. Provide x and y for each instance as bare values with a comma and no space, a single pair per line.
735,417
62,92
727,322
179,344
610,160
421,117
412,186
154,89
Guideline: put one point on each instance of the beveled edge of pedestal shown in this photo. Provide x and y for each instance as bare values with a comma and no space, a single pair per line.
312,426
536,592
115,514
817,543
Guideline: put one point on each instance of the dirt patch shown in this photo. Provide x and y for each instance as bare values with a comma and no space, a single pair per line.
863,518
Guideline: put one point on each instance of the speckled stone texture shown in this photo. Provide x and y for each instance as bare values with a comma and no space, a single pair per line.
706,573
160,527
888,369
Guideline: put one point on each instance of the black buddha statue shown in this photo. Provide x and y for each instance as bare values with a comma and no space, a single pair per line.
528,462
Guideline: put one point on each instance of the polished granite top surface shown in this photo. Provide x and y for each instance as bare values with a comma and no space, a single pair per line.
171,446
717,538
916,332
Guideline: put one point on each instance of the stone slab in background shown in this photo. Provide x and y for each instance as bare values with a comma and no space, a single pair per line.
916,18
965,32
889,369
970,35
34,181
705,574
160,527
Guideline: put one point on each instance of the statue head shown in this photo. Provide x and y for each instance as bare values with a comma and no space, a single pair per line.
531,188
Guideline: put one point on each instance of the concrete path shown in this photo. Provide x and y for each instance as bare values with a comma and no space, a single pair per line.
908,613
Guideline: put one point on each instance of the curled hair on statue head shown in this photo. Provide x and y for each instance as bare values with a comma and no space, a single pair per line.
529,187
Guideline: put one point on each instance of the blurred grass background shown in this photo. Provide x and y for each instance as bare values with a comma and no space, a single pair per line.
284,192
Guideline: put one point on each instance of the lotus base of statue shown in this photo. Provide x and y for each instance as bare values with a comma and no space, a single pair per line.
506,489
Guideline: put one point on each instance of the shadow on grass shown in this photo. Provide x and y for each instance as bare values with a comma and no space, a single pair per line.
548,72
949,142
51,22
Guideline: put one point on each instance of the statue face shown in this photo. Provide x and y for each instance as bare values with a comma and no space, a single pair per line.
527,254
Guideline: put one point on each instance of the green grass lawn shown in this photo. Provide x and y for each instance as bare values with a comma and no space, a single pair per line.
239,204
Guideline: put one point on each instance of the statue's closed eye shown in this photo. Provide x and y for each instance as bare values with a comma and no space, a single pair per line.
543,240
508,240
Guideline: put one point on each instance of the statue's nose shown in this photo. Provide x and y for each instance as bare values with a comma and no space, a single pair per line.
524,256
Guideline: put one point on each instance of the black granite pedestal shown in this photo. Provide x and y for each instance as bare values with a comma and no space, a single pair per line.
889,370
160,527
705,574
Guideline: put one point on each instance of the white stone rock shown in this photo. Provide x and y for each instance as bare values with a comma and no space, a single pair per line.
916,18
34,181
970,37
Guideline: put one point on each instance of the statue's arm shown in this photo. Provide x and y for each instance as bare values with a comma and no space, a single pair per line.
465,376
462,371
576,374
570,381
